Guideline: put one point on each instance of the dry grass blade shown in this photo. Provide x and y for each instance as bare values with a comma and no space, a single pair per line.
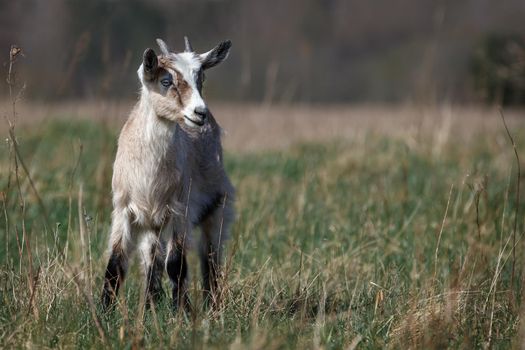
355,342
82,225
441,231
14,53
34,285
517,195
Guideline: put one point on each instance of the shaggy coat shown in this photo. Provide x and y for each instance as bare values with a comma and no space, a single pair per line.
168,178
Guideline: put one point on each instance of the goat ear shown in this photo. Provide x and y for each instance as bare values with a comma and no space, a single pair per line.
150,64
216,55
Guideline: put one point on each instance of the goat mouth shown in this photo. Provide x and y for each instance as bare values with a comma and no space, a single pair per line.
193,121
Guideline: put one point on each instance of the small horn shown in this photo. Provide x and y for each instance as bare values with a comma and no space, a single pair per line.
187,45
163,47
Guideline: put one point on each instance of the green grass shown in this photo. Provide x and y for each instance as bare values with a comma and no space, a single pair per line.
334,244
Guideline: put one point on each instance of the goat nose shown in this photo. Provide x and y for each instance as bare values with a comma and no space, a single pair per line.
202,111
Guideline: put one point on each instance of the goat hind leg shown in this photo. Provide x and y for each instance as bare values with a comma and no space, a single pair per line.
214,233
120,249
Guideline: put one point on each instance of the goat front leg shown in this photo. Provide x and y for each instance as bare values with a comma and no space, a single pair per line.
121,246
152,255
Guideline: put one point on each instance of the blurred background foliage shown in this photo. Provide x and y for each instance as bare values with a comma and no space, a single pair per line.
311,51
498,68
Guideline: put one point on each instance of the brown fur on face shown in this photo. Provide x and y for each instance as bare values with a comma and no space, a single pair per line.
168,102
183,89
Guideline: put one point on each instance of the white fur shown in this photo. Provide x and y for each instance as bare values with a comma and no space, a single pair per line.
148,240
188,65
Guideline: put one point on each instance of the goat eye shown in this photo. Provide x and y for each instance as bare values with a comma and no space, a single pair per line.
166,82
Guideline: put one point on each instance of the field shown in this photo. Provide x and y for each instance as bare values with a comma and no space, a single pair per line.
357,227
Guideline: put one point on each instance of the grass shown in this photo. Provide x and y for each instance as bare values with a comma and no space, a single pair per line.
366,242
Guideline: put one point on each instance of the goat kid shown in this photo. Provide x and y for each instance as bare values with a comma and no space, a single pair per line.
168,177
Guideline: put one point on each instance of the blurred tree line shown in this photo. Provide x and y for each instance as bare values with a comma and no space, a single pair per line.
310,51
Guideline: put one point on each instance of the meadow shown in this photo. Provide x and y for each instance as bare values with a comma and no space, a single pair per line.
357,227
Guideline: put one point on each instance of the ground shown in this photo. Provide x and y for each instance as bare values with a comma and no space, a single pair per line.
357,227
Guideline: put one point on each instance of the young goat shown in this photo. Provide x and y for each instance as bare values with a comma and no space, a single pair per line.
168,177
